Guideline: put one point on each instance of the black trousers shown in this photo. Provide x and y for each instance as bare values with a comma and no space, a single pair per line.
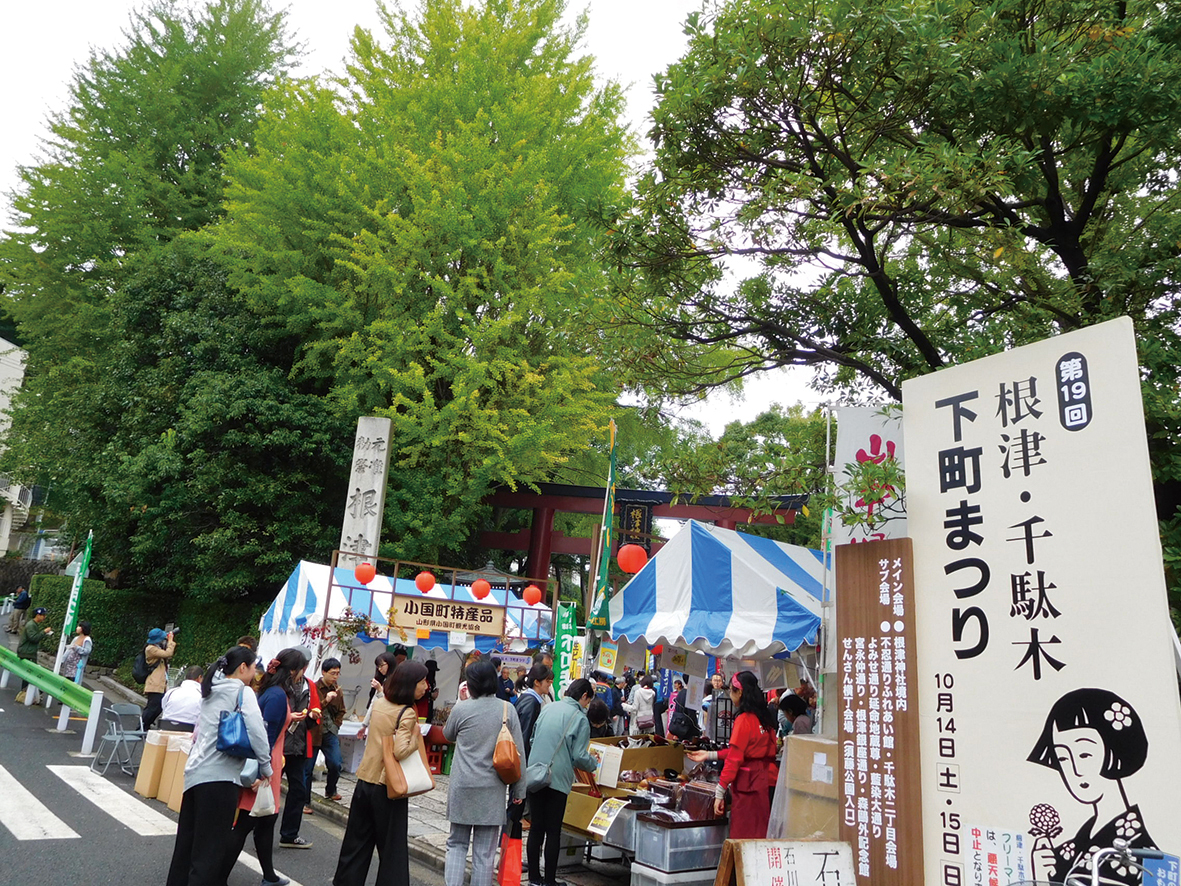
295,769
546,809
152,708
263,829
375,822
206,817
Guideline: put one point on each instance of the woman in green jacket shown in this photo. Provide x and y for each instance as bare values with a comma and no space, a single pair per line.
560,741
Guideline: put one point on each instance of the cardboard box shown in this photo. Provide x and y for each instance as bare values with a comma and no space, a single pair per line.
176,795
813,765
178,745
813,787
581,806
151,764
659,757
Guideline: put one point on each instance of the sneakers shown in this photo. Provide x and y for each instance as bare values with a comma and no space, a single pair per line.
282,881
20,697
297,843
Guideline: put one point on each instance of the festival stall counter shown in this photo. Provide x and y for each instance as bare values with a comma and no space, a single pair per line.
320,609
707,592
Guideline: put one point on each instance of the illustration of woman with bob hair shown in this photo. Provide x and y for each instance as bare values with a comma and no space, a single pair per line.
1094,739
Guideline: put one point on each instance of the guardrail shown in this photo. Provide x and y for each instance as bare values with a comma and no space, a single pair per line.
73,696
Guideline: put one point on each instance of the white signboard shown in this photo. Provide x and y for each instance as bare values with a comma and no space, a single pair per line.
360,533
778,863
869,434
1049,709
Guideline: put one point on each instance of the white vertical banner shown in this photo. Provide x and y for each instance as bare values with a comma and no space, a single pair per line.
360,531
868,434
1048,698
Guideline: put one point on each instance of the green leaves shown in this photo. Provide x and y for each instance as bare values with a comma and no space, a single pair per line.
878,189
427,237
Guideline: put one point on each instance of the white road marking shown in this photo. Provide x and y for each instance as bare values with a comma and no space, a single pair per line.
26,817
251,862
117,803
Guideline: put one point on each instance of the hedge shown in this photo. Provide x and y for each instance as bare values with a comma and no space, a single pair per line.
120,620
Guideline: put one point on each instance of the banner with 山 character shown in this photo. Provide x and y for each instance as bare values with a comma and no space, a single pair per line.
1049,713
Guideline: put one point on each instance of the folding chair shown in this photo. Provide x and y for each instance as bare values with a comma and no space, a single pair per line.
125,730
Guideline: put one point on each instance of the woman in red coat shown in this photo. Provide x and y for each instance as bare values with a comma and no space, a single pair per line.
750,771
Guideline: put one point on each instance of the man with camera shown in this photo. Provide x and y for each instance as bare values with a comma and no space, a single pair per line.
157,653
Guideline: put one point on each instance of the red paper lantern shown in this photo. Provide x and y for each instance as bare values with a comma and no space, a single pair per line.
365,572
424,581
481,589
532,595
632,558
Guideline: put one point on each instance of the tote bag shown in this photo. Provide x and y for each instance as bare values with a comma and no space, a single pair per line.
409,777
505,759
232,737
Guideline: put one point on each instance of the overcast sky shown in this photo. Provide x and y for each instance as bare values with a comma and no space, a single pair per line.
42,42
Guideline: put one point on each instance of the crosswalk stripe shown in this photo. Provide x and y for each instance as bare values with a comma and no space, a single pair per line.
26,817
115,801
251,862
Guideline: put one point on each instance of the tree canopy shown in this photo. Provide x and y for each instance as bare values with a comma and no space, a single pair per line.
877,189
423,226
156,406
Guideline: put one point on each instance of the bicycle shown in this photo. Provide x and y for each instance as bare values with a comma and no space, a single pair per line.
1119,850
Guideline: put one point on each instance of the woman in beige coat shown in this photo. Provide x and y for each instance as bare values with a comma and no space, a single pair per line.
375,821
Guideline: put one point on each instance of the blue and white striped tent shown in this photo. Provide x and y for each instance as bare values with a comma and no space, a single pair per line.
725,593
304,601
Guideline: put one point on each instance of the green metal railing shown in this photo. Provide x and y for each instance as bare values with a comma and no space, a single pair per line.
72,695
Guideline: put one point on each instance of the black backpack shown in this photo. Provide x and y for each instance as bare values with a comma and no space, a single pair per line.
683,726
140,670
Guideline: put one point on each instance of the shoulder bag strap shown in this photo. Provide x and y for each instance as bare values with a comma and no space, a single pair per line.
560,742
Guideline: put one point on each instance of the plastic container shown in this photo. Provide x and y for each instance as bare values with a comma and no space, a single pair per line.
642,875
672,846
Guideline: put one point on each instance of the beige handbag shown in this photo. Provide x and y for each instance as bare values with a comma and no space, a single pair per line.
505,759
409,777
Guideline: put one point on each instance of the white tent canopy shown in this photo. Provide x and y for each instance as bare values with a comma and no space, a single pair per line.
725,593
306,601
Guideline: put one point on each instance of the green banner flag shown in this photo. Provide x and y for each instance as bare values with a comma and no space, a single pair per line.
80,565
564,641
83,563
599,618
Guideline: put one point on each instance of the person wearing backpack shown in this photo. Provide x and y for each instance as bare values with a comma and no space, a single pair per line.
157,653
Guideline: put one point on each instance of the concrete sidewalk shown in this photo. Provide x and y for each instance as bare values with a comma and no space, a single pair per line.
428,826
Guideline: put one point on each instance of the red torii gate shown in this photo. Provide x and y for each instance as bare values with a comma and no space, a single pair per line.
541,541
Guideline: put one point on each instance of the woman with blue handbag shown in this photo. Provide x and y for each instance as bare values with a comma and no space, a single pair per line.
229,732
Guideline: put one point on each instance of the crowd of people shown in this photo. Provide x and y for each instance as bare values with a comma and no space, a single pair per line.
290,719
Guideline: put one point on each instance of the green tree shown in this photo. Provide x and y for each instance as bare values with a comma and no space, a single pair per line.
915,185
424,229
219,473
132,163
134,160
